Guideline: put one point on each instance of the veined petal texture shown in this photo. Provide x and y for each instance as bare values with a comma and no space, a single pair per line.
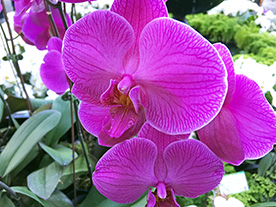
125,172
226,57
193,169
94,48
138,13
161,140
254,117
181,77
222,137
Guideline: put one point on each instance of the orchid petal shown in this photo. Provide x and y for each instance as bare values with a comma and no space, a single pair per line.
255,119
181,75
222,137
122,118
94,48
30,30
108,97
42,39
83,96
138,13
151,200
228,62
52,72
55,43
161,140
190,175
134,95
92,117
125,172
105,140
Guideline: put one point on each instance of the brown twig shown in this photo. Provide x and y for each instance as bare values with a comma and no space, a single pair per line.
14,60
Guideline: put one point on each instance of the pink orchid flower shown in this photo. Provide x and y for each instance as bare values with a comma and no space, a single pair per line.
22,6
155,159
245,127
133,63
37,27
52,70
18,24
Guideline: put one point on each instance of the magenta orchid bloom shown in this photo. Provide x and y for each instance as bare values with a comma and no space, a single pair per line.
18,24
22,6
246,124
52,71
37,27
134,63
166,162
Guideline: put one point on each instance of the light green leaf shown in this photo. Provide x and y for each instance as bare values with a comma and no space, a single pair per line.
33,153
24,139
80,168
266,162
25,191
267,204
58,199
62,155
44,181
64,124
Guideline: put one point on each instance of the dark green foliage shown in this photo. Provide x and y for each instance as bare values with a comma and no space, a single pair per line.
243,35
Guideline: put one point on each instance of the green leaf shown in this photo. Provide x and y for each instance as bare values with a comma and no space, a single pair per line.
1,104
43,182
62,155
274,87
6,202
58,199
95,199
25,191
64,124
24,139
19,104
33,153
80,168
269,97
268,161
271,204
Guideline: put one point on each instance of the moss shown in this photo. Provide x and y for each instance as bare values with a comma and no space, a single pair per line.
244,35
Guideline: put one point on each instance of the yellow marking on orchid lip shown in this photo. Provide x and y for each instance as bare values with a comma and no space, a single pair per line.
125,100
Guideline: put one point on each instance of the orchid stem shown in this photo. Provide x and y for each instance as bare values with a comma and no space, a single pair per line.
73,144
13,194
63,17
8,52
80,135
49,13
14,60
73,10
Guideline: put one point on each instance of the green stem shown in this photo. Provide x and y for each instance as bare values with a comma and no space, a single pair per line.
80,135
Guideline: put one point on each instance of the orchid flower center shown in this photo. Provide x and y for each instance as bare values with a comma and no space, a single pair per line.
118,92
163,195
